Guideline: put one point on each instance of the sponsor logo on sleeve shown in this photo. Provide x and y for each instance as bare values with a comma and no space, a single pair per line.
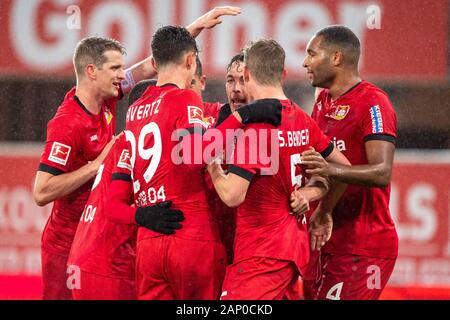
124,160
59,153
195,115
377,119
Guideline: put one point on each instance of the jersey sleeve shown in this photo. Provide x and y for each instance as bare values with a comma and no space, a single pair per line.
120,193
379,122
61,147
189,111
122,159
319,140
249,158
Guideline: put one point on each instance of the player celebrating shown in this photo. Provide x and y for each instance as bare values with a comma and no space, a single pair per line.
271,245
77,143
168,266
104,250
359,258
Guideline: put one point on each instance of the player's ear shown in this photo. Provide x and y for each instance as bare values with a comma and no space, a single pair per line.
91,71
283,75
337,58
203,82
246,74
191,60
154,64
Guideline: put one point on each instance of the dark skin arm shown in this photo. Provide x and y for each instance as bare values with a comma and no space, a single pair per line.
377,173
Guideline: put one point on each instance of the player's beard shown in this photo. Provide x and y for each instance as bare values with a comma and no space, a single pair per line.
322,79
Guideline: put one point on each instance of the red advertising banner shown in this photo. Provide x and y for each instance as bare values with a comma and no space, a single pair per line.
38,36
420,205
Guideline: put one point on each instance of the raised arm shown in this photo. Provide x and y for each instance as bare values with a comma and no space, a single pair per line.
144,69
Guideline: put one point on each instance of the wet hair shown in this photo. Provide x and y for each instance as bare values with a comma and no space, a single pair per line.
265,60
91,51
338,37
238,58
139,89
170,43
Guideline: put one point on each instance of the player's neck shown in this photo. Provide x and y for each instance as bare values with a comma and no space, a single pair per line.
172,75
91,99
268,92
343,83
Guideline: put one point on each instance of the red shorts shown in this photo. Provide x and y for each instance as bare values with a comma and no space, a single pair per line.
54,276
259,279
348,277
96,287
171,268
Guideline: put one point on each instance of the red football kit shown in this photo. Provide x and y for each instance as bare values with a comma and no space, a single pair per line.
74,137
226,216
103,250
191,263
364,242
271,246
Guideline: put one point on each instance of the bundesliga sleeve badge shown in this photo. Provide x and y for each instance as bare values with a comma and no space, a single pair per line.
59,153
125,160
195,115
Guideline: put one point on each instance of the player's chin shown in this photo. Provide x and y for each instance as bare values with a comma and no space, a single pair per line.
115,92
236,105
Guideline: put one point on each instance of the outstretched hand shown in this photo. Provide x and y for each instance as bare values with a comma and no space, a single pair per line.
211,19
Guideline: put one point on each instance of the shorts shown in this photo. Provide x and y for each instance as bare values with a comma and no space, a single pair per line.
348,277
55,284
259,279
97,287
171,268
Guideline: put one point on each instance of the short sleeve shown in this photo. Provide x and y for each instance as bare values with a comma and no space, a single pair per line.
319,140
61,146
253,150
122,160
188,108
379,122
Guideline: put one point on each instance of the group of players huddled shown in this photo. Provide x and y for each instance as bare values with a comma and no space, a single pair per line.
198,200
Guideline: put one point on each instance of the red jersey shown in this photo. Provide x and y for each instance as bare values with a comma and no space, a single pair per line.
226,216
74,137
157,176
211,112
362,221
101,246
264,226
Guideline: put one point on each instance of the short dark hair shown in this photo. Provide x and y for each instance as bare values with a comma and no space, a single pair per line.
265,60
199,69
341,38
139,89
91,51
170,43
238,58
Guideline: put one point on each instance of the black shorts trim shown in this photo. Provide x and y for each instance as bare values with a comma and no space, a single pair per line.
381,137
247,175
121,176
49,169
328,150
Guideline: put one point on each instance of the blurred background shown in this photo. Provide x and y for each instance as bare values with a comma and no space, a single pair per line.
405,51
